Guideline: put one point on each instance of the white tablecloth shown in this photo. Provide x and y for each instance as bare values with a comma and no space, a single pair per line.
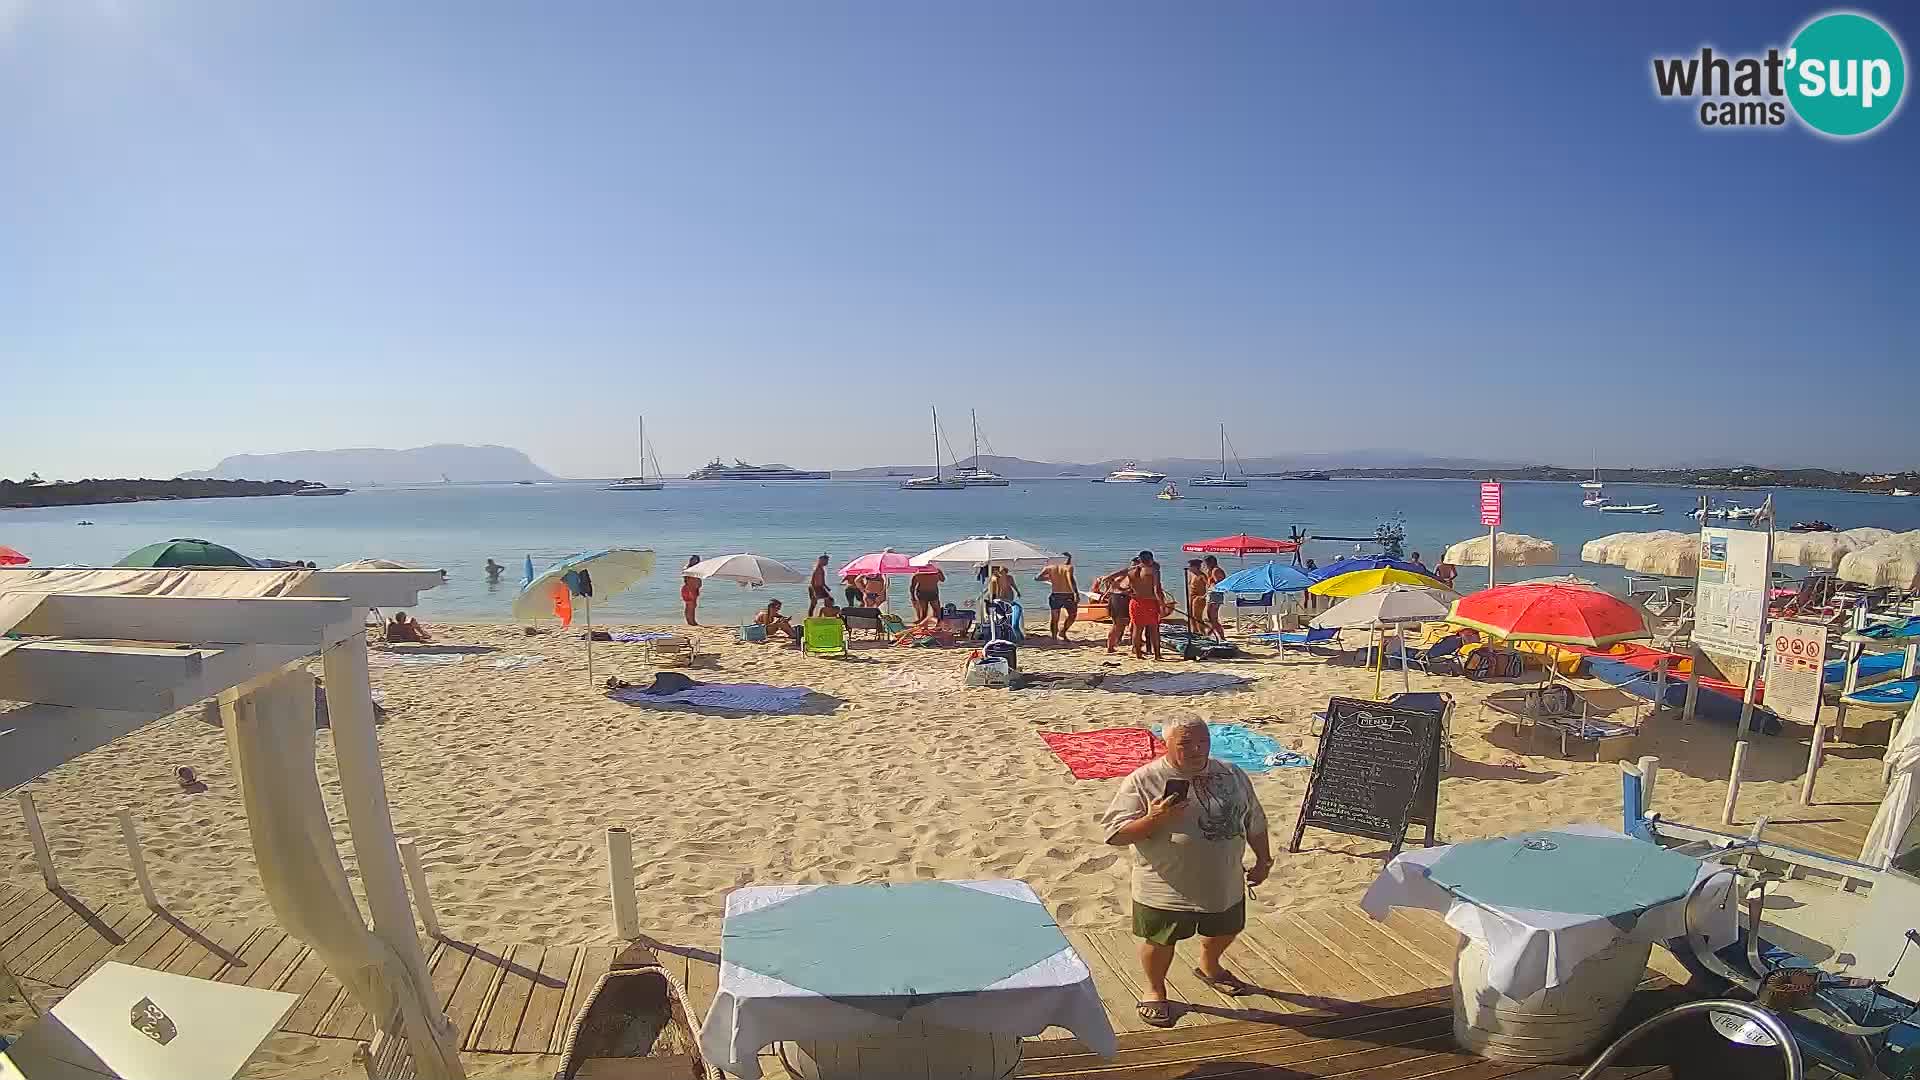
751,1011
1528,950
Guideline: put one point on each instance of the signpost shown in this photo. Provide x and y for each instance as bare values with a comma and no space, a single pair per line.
1730,618
1796,665
1378,769
1490,517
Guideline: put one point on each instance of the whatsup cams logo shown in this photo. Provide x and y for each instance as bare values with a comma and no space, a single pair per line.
1843,75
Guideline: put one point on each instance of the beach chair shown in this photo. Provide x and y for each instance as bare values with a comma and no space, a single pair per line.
824,637
1253,614
1609,718
857,619
751,633
1440,658
670,650
1321,640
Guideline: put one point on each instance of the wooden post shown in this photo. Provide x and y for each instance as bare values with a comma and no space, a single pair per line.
417,880
1814,755
130,836
1649,774
41,853
356,749
626,913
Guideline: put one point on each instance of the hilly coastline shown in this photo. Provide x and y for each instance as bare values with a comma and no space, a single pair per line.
360,466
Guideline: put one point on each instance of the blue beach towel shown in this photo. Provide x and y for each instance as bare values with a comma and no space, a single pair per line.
736,697
1237,745
1183,682
639,637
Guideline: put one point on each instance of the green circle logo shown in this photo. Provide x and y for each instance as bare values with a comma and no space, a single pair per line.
1845,74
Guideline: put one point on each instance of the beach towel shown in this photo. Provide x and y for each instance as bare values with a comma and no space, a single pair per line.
1105,754
1236,745
515,663
634,637
1184,682
377,658
735,697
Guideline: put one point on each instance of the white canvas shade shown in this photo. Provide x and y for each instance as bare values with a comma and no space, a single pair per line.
987,551
1388,605
1893,561
746,568
1901,800
1665,553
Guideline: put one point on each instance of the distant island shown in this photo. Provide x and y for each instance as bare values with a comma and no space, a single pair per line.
19,494
363,466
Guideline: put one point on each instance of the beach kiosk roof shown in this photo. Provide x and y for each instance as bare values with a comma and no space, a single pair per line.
106,651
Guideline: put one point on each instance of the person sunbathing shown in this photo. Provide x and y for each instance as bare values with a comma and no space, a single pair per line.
403,630
777,623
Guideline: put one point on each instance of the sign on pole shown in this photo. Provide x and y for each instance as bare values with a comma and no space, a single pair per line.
1796,660
1730,598
1490,504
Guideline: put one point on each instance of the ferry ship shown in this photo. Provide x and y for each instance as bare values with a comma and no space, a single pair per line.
740,470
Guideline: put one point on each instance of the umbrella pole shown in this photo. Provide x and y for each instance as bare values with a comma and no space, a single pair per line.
1378,661
588,601
1406,680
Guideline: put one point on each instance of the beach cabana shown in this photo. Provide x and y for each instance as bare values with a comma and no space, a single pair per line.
107,651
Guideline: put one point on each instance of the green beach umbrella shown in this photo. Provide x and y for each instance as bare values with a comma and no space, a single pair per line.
185,553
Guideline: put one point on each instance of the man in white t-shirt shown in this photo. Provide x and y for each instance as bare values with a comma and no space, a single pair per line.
1189,820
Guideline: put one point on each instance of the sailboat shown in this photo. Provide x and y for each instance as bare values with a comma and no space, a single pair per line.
1224,479
936,482
973,475
640,483
1594,500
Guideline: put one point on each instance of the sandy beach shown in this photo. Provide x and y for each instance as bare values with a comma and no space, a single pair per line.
507,779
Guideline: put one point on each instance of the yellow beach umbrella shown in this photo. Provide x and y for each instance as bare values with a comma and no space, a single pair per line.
1364,581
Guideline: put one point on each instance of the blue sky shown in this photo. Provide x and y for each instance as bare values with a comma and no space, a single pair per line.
782,230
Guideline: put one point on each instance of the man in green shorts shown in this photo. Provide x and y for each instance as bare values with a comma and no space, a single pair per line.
1189,820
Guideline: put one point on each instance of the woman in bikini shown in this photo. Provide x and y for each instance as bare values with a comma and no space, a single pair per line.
690,592
874,591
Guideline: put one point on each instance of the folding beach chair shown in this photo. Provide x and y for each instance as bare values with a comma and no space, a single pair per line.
857,619
1310,639
1440,658
824,637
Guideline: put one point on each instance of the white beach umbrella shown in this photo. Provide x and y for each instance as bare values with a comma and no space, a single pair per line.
1600,549
987,550
1893,562
1388,605
1666,553
748,569
1516,549
1818,550
1897,809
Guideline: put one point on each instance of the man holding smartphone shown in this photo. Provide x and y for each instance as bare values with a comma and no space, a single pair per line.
1189,820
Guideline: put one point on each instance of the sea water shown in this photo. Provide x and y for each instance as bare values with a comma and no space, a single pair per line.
457,527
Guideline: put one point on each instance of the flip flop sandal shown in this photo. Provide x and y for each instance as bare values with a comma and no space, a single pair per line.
1156,1013
1229,984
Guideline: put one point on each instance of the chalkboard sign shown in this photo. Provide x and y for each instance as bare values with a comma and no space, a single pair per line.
1378,769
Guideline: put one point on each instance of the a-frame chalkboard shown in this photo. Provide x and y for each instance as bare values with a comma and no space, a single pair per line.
1378,770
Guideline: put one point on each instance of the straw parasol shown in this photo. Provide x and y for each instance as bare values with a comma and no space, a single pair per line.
1666,553
1893,562
1516,549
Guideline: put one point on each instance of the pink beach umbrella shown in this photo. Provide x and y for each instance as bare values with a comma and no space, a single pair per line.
888,562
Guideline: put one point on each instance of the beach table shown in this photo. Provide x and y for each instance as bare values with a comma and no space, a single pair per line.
1556,928
926,978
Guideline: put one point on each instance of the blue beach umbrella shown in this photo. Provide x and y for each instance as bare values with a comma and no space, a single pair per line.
1366,562
1273,577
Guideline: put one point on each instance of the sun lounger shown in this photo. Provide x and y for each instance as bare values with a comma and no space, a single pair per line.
673,650
1891,695
1440,658
1870,666
1193,646
824,637
1310,639
858,619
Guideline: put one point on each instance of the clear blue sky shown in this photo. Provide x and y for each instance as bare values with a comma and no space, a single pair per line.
781,230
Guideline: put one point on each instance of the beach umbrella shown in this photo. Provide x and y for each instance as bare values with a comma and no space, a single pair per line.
1897,809
375,564
186,553
600,573
1665,552
1356,582
889,563
1816,550
1242,546
12,557
1600,549
1566,615
747,569
987,551
1515,549
1893,562
1270,577
1365,562
1388,605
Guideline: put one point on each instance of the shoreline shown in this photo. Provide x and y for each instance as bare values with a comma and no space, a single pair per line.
42,496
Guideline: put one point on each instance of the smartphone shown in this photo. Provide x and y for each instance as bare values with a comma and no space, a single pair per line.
1177,789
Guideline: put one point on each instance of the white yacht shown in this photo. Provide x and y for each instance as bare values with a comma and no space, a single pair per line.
936,482
1593,484
1900,491
974,475
1225,479
641,482
1131,473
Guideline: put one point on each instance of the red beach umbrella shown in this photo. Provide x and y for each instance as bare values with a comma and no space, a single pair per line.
1242,546
1567,615
11,557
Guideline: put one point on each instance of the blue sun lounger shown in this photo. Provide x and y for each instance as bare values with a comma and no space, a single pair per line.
1890,695
1307,640
1869,666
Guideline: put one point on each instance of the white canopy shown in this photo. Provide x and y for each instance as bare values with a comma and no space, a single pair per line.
747,569
987,550
1901,801
1516,549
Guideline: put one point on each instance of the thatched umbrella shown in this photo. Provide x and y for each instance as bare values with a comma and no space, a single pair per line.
1818,551
1893,562
1666,553
1516,549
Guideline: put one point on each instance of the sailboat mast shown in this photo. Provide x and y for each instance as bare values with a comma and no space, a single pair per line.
642,449
974,415
936,444
1223,451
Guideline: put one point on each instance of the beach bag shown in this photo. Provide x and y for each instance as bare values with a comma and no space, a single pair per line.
1004,651
989,673
751,632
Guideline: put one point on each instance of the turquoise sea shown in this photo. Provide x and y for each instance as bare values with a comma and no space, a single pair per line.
459,526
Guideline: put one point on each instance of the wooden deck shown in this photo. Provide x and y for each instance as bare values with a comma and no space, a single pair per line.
1340,995
1831,828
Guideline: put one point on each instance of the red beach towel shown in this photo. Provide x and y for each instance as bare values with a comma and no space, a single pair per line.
1105,754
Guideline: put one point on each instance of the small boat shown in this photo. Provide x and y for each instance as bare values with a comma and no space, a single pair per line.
1225,479
634,1022
936,482
83,523
1169,493
1131,473
1593,484
322,491
1816,525
1594,500
1743,513
1900,491
973,475
641,482
1633,508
